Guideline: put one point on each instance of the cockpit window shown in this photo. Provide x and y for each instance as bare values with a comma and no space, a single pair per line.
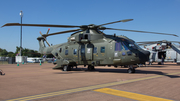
118,46
129,45
125,46
137,45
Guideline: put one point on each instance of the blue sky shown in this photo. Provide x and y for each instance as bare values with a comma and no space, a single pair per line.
148,15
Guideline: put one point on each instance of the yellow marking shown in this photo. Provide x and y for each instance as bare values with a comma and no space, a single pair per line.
130,95
85,88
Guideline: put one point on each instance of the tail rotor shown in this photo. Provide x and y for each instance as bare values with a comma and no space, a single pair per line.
45,37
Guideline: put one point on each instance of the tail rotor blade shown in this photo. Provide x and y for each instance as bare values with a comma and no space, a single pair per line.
45,35
40,33
48,31
45,38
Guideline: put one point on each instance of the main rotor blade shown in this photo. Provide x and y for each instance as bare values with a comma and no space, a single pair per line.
163,41
39,25
142,31
116,22
45,35
145,43
149,42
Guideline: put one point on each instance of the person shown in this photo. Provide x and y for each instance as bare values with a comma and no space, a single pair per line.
162,60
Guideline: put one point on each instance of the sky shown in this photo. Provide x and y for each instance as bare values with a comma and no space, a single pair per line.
149,15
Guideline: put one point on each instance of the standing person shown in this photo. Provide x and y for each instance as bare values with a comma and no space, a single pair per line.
162,60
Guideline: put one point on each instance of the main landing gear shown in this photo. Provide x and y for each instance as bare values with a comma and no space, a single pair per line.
67,68
131,69
90,67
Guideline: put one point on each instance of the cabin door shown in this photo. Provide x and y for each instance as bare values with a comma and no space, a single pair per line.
89,52
86,52
82,55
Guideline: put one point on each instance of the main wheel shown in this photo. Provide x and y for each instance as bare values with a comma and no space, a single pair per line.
159,63
65,68
69,68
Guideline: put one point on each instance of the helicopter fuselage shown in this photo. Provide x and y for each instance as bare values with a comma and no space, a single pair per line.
97,49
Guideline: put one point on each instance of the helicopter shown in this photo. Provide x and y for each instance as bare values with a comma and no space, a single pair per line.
168,49
88,45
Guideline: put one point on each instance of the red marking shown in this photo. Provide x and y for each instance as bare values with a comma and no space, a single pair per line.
40,32
48,28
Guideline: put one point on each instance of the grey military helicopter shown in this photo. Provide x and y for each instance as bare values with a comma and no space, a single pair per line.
88,45
168,49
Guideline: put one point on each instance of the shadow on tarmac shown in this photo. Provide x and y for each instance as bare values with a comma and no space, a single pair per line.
116,70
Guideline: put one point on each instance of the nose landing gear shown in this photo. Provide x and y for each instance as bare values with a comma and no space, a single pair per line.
131,69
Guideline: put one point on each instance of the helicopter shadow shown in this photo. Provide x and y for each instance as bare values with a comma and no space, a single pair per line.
159,66
157,72
117,70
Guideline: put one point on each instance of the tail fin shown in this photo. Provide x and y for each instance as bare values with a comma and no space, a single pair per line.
41,44
42,48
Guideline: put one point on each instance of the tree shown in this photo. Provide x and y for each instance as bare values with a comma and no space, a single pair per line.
25,52
11,54
28,52
3,53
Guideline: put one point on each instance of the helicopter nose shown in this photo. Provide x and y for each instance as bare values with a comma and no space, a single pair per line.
147,53
144,56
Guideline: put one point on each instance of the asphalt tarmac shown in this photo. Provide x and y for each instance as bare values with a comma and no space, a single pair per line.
41,83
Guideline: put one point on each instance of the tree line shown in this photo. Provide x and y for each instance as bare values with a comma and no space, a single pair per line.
24,52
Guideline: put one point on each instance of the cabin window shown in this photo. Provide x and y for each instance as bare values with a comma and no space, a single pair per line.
60,50
118,46
75,51
86,36
66,52
95,50
102,49
82,50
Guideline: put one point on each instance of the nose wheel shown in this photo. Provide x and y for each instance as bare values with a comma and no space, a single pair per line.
131,69
90,67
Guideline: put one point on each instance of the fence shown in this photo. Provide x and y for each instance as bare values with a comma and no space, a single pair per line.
7,60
